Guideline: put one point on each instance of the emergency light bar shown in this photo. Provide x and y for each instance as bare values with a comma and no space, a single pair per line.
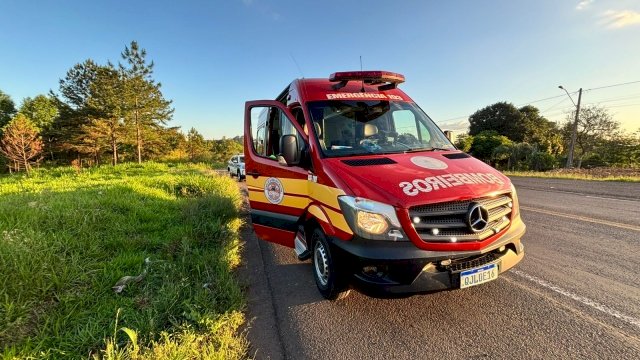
368,77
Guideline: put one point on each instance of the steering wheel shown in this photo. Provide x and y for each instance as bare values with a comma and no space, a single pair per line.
407,140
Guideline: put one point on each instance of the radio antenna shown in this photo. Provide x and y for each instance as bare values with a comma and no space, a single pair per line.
362,89
298,66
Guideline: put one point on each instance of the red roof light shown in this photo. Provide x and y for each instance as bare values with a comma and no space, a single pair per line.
374,77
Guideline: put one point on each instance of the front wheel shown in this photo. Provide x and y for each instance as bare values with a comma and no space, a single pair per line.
326,270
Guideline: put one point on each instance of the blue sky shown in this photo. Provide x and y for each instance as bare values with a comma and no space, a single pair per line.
457,56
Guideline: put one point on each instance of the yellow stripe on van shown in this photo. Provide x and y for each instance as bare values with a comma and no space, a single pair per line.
290,201
337,220
325,195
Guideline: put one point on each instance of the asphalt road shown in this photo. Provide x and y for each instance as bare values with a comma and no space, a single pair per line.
576,294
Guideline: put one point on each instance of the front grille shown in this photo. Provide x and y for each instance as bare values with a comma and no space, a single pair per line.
447,222
470,263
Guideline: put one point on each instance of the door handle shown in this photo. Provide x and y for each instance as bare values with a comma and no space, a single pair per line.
253,173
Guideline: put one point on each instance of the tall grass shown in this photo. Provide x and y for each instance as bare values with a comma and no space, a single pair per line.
67,237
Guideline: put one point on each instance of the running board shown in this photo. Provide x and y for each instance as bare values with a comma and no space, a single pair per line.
300,245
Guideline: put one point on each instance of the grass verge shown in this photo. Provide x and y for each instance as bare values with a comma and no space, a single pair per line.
571,176
67,238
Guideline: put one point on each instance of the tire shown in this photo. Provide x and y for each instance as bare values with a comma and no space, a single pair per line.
327,272
230,173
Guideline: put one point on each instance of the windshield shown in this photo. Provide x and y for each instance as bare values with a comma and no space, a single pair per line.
346,128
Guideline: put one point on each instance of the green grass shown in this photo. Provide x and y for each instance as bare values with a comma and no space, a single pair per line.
572,176
67,237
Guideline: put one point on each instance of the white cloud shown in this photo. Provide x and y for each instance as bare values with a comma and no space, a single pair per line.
616,19
584,4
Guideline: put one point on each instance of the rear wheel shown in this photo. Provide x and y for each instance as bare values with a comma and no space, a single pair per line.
327,272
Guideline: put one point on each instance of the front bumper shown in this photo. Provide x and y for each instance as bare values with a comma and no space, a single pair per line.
401,267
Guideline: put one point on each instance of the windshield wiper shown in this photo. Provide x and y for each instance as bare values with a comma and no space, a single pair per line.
426,149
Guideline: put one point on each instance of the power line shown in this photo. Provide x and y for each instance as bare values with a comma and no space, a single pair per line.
614,85
552,97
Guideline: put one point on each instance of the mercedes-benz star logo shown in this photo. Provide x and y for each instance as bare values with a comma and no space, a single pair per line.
477,217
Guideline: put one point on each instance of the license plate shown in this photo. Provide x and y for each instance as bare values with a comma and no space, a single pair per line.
479,275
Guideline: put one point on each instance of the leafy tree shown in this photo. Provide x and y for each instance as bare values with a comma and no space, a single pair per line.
595,126
485,142
7,109
502,117
540,132
21,144
147,108
196,146
225,149
42,111
464,142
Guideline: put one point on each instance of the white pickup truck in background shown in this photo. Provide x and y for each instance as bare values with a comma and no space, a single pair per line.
235,167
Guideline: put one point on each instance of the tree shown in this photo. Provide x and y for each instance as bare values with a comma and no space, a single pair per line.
196,146
106,109
76,85
42,111
502,117
21,144
595,126
147,108
464,142
7,109
225,149
67,130
485,142
540,132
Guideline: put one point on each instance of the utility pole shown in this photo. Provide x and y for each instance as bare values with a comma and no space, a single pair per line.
574,133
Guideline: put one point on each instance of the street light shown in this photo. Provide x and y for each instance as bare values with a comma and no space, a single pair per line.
574,133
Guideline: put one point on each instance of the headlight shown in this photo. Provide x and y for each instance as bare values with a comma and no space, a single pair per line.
371,219
372,223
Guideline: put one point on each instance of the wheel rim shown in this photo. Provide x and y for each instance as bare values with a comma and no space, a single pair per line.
321,262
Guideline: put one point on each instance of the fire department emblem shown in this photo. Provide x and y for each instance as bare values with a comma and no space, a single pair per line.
273,190
428,163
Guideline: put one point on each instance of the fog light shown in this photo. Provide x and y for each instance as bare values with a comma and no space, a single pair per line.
502,248
435,231
445,262
416,220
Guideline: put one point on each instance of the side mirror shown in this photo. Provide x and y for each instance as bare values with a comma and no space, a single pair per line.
289,149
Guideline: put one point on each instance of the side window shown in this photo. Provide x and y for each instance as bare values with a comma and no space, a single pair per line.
268,125
259,117
409,130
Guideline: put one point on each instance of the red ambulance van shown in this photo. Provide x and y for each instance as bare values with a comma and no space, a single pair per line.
351,173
